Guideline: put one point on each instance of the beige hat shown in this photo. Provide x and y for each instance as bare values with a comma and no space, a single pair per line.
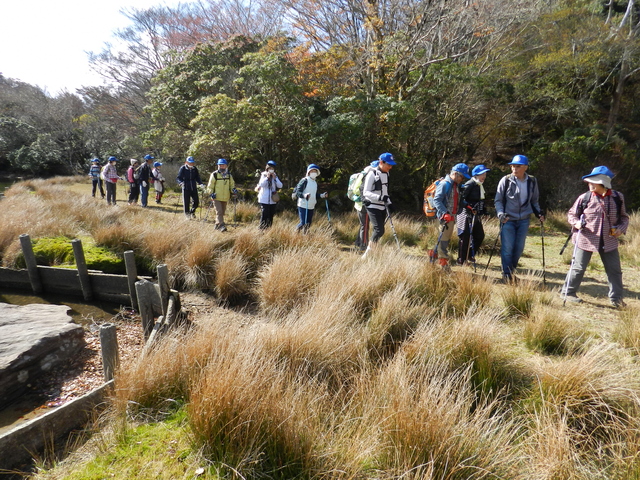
603,180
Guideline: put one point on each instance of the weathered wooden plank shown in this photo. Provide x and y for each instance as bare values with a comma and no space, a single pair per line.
10,278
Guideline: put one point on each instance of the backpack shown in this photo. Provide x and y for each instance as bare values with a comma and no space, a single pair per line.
586,198
429,207
356,184
102,170
302,184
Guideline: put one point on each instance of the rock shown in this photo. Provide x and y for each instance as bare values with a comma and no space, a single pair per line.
33,340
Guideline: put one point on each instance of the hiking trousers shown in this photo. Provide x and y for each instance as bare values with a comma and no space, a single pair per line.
513,236
377,218
111,192
611,262
443,246
187,197
267,211
221,208
363,233
476,238
96,182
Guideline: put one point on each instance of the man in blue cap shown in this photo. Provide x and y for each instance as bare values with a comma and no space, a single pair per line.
221,188
448,202
516,199
189,179
469,223
376,196
598,218
145,177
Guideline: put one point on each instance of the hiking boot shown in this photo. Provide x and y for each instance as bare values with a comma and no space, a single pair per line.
573,298
444,263
460,261
223,228
617,303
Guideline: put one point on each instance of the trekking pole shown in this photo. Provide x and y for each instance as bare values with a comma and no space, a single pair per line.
393,229
484,275
206,216
180,195
306,212
326,204
566,242
471,242
565,287
235,203
433,254
544,273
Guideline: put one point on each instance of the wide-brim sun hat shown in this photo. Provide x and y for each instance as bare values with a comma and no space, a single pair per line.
603,180
479,170
133,161
519,160
313,166
601,170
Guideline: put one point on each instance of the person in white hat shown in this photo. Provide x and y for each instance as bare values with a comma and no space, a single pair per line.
598,218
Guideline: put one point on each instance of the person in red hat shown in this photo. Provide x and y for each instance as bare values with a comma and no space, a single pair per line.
598,218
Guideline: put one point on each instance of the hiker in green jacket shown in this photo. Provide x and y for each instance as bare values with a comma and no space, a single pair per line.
221,188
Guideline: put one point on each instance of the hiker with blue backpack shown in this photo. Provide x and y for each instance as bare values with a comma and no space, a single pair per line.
598,217
516,199
469,221
448,202
375,194
306,194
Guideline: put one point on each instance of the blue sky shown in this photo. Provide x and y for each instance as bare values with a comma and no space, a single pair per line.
43,42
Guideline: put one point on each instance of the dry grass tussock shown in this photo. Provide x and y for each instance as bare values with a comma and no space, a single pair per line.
630,243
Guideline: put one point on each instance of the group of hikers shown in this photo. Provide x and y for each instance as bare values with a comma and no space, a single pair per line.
597,217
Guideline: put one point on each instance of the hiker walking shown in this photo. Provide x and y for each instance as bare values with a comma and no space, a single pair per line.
448,202
516,199
306,192
473,195
598,217
375,193
221,188
96,181
133,176
189,179
158,181
268,196
145,178
110,175
362,240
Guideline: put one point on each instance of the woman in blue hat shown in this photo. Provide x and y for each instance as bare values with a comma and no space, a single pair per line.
598,218
268,196
469,219
306,193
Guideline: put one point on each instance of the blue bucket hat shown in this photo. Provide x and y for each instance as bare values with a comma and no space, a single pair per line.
157,164
387,158
519,160
191,160
462,169
113,159
149,157
272,163
222,161
313,166
601,170
479,170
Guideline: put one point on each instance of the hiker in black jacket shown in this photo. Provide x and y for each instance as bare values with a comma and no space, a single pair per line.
189,179
469,223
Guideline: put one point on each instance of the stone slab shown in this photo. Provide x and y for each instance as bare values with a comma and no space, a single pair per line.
33,340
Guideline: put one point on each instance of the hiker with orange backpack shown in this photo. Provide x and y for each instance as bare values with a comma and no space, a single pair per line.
448,202
598,218
469,223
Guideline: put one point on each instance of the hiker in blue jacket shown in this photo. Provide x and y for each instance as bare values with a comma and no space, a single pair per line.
516,199
448,202
189,179
94,173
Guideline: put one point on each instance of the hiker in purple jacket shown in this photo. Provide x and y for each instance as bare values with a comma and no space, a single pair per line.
598,218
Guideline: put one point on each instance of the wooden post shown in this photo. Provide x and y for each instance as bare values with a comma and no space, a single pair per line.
30,260
163,283
144,291
83,272
109,347
132,276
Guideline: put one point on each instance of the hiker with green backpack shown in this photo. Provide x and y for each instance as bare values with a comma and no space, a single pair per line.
448,202
306,194
598,217
354,193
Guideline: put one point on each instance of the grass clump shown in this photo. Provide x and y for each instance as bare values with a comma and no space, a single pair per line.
549,331
627,330
519,298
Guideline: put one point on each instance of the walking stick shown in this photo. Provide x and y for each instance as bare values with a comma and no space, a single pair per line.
566,242
471,242
206,216
484,275
544,273
235,202
326,204
565,287
393,228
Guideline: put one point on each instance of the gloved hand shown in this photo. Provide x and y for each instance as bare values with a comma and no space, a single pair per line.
447,217
503,217
471,210
324,195
144,184
385,198
307,196
391,207
234,191
213,196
